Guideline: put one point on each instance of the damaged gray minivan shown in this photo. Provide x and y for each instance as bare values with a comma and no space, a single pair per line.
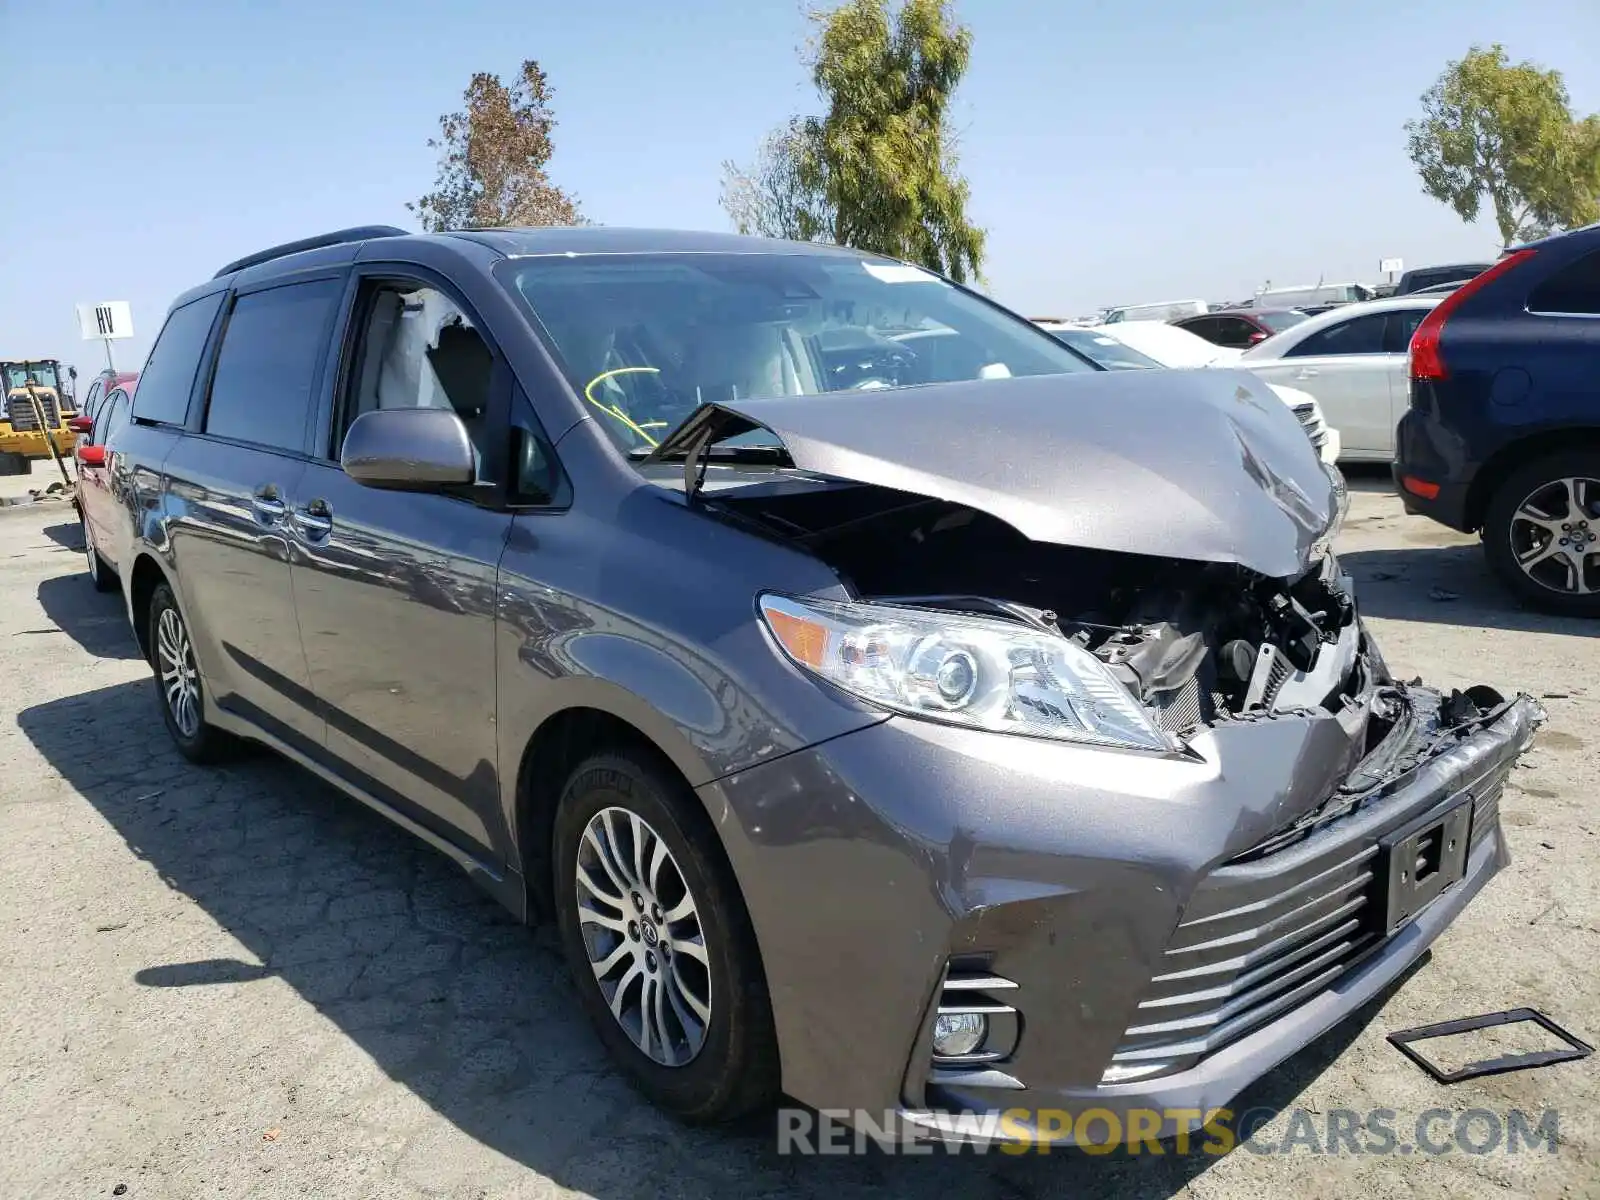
889,709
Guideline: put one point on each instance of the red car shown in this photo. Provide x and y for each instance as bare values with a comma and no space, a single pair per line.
97,484
1241,328
99,388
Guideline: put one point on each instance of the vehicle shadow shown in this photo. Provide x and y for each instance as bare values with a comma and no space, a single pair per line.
68,535
1368,477
461,1006
1445,584
97,621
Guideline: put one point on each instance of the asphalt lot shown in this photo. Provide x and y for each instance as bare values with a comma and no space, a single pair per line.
236,982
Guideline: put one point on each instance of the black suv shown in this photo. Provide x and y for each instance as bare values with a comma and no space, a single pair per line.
1503,430
1425,279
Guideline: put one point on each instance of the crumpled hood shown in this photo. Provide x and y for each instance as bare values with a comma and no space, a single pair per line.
1204,464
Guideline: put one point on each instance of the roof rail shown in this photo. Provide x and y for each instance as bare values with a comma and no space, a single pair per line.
358,233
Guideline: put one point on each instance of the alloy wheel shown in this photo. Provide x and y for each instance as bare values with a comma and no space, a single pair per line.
1555,535
643,936
180,679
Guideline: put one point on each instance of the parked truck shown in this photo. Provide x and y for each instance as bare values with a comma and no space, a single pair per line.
35,391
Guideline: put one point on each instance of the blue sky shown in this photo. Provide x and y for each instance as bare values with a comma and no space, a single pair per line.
1117,152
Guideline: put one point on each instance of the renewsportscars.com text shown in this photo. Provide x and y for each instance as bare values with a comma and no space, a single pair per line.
1377,1131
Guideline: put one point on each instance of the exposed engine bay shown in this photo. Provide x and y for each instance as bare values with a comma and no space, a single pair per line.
1196,641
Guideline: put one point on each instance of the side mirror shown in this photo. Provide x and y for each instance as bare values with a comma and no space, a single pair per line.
1257,337
81,424
91,456
409,450
72,374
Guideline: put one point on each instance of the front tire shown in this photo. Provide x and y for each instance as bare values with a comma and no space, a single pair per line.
12,463
1541,533
178,683
659,942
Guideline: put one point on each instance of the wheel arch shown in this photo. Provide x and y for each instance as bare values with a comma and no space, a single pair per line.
1511,457
146,575
591,724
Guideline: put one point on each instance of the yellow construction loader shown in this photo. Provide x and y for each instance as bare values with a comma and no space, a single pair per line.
34,393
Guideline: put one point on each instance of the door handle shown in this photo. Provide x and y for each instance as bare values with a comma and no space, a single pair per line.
1306,373
313,521
269,508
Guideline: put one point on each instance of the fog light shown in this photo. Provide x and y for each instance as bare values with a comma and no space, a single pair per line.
955,1034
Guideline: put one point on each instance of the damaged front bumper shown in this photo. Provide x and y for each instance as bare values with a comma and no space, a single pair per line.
1274,950
1145,934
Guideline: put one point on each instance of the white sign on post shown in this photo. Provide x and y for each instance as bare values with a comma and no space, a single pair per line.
107,319
1391,265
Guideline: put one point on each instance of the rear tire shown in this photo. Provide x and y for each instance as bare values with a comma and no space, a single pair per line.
702,1071
1539,505
179,688
12,463
100,575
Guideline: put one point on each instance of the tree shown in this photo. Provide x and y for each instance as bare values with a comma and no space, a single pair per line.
767,198
878,170
881,158
493,156
1502,133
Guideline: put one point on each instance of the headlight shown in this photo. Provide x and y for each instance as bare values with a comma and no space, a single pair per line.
1323,545
1341,497
974,671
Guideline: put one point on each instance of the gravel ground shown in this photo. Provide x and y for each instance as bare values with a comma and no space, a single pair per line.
15,488
236,982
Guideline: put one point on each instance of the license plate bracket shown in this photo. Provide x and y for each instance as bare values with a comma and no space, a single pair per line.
1424,858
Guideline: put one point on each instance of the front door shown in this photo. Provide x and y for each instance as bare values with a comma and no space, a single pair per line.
396,591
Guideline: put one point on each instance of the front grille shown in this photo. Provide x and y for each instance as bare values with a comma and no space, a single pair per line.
1311,421
1179,709
1263,934
20,410
1486,813
1257,939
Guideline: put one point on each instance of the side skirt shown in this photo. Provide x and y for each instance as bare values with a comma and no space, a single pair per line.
505,886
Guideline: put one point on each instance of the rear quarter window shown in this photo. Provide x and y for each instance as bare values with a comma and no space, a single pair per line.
168,376
272,349
1575,288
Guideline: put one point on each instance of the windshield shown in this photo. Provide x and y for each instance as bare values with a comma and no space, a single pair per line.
43,375
647,338
1104,351
1279,321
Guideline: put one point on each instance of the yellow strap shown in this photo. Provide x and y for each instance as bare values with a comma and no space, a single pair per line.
611,410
